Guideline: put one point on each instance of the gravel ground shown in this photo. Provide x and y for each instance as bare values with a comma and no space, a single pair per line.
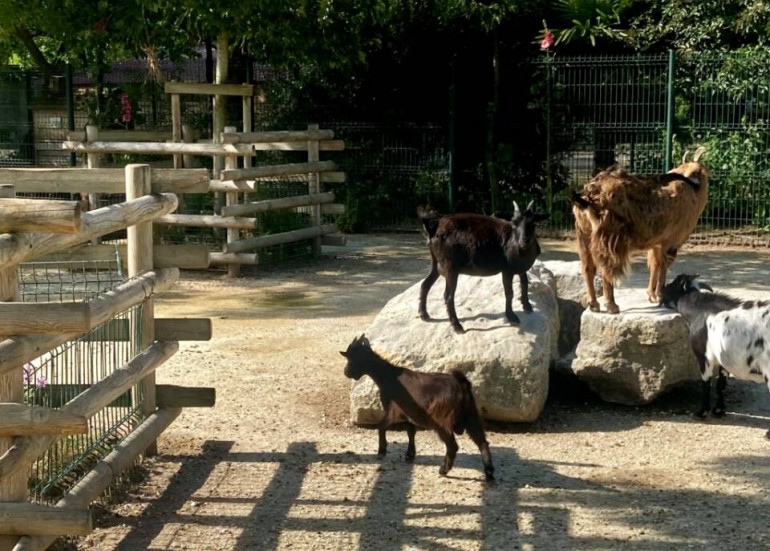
276,464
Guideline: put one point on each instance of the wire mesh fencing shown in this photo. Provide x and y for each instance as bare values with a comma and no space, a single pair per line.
58,376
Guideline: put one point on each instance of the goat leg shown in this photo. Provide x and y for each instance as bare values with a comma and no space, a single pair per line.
425,288
719,407
451,450
382,428
609,296
524,285
588,268
705,373
476,432
410,449
449,301
512,318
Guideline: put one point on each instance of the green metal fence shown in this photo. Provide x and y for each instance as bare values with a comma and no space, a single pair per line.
643,112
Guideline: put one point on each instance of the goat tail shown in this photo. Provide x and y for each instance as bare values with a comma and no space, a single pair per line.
611,252
429,218
467,414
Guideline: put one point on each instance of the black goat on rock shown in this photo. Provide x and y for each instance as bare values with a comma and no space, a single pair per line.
479,245
439,401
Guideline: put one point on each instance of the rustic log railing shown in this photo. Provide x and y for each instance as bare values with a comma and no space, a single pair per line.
30,330
234,216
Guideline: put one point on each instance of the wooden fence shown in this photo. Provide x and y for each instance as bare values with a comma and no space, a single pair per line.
40,228
233,182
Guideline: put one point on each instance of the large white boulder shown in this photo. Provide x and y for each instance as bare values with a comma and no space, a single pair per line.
633,357
507,365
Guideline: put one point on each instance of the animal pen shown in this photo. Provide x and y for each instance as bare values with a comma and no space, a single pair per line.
77,388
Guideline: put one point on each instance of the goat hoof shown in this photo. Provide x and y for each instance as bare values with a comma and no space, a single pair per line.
594,307
718,412
458,329
424,316
409,458
527,308
381,453
767,435
613,309
513,319
442,471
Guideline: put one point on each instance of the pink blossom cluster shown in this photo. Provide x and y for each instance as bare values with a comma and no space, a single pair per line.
127,109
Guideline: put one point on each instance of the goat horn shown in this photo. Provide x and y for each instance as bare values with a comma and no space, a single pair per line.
698,153
516,209
531,205
684,157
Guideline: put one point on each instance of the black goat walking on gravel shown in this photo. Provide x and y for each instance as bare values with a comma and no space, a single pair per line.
439,401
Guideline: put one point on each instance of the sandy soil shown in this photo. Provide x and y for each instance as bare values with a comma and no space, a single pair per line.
276,464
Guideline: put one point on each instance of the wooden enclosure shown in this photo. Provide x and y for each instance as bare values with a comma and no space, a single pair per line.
237,179
32,329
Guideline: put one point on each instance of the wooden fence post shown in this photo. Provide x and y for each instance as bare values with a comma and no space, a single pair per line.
231,198
140,253
314,186
14,486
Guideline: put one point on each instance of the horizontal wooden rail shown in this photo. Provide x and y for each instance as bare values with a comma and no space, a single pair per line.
192,256
183,329
277,136
206,221
18,519
154,148
218,259
173,396
281,203
124,135
279,238
246,186
39,215
19,349
21,420
44,318
26,449
104,472
102,180
205,89
277,170
16,248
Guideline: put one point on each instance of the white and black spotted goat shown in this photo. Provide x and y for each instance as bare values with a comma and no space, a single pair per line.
726,334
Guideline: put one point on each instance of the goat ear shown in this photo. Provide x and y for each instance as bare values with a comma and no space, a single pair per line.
343,354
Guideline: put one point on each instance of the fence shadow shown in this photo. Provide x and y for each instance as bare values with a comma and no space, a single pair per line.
367,503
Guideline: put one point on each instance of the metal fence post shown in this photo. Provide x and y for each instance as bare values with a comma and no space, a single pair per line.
667,162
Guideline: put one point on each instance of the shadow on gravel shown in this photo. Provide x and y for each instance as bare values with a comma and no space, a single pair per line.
532,505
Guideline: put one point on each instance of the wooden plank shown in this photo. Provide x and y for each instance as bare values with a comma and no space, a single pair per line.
183,329
31,519
39,215
102,475
209,89
206,221
334,177
217,258
44,318
56,395
154,148
114,330
23,420
123,135
280,136
277,170
279,238
101,180
187,257
281,203
174,396
334,240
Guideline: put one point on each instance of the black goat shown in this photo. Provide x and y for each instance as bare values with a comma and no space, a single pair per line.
439,401
726,334
478,245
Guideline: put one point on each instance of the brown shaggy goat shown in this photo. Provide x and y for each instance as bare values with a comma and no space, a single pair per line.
618,214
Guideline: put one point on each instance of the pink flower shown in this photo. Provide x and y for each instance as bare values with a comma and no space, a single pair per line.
127,111
41,382
547,41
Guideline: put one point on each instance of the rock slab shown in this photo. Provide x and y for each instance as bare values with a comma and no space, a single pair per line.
507,365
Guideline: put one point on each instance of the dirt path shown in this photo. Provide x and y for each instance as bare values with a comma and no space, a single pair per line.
277,464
